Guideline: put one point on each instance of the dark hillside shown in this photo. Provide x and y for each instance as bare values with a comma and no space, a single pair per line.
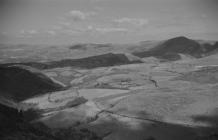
104,60
175,46
19,83
14,126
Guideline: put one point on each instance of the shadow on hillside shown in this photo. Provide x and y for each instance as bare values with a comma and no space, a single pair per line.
212,121
19,83
16,125
106,126
128,129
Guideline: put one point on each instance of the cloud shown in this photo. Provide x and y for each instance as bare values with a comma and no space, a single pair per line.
65,23
97,0
77,15
56,27
110,29
133,21
92,29
27,33
30,32
51,32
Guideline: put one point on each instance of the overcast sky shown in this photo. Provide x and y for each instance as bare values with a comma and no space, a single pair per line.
103,21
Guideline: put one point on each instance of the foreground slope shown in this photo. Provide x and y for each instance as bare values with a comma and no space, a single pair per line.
15,126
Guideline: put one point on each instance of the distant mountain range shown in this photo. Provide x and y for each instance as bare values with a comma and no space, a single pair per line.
168,50
81,55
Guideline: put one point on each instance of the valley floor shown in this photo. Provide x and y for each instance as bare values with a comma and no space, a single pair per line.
167,101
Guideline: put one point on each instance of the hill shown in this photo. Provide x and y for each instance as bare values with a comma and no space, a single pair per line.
170,49
104,60
19,82
211,49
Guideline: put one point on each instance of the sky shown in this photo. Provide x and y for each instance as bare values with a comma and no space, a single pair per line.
105,21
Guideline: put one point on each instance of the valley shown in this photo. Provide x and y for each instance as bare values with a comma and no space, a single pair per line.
161,90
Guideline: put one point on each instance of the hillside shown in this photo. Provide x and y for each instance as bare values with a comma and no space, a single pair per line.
19,83
104,60
15,126
170,49
213,49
